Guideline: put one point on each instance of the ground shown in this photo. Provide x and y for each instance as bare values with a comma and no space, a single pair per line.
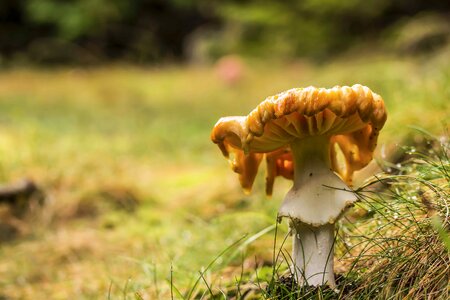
136,195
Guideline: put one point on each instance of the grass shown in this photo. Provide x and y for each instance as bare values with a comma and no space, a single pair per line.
401,252
137,197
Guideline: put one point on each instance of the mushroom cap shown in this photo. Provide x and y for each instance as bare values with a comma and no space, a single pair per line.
350,116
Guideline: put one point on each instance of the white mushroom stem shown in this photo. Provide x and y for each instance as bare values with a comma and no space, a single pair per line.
312,252
316,200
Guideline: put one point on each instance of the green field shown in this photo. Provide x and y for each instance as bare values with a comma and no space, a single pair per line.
135,188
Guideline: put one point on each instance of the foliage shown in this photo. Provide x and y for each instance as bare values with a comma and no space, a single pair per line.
89,31
73,19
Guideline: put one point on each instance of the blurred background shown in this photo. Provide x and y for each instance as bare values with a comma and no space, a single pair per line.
109,184
50,32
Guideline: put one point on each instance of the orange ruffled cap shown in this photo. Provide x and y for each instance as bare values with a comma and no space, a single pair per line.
351,116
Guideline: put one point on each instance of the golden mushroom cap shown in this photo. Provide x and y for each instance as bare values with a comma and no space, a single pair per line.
351,116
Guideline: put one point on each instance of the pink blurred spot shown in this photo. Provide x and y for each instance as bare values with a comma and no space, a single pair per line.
230,69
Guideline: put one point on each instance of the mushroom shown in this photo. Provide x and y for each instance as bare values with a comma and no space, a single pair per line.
317,137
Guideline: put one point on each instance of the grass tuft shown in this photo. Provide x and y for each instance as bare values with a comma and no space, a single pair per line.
401,252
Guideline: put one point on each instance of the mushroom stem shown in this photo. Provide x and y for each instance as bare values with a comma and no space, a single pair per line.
316,200
312,253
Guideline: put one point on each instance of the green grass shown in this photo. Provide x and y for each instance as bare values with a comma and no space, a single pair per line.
94,139
400,252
